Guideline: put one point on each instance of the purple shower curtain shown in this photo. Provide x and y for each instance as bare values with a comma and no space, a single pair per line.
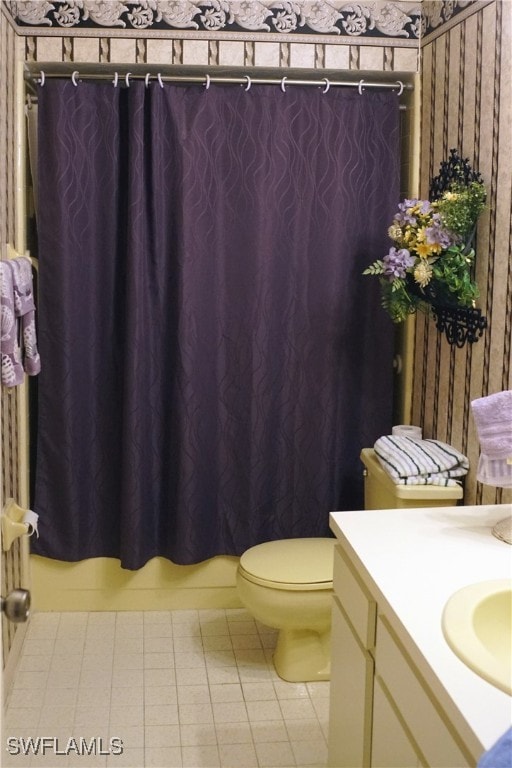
213,361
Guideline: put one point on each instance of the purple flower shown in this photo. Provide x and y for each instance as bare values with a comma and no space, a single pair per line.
396,262
404,216
436,234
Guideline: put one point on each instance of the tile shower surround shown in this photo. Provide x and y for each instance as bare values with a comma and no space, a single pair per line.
180,688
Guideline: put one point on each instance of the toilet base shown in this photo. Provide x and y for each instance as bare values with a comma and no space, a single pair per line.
303,655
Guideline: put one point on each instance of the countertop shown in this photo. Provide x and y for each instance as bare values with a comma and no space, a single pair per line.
415,560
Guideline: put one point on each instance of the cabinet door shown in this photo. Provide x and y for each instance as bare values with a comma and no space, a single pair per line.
428,724
351,696
391,745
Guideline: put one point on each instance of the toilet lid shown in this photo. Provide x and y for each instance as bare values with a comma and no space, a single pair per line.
294,564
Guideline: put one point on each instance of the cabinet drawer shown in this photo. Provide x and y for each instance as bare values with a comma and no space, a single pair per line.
355,598
428,724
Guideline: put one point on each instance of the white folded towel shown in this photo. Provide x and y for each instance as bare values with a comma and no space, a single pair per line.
410,461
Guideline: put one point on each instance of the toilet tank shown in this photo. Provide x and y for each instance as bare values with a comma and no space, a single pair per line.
380,492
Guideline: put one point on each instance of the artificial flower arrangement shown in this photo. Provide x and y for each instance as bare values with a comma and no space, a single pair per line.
431,260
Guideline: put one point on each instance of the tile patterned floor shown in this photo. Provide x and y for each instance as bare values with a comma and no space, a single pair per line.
181,689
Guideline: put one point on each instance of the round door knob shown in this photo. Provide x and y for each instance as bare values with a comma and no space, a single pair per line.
16,605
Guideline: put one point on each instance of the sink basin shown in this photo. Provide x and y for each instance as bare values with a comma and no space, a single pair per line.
477,625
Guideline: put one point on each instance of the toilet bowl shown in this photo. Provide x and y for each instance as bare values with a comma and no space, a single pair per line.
287,585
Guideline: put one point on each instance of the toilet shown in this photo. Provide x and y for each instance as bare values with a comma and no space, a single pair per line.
287,584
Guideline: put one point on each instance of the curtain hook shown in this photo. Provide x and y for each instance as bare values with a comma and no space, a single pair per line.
41,78
360,87
401,87
249,83
116,78
73,77
159,78
327,85
283,81
207,83
127,79
146,79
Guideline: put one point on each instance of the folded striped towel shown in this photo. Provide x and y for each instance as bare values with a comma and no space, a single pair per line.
410,461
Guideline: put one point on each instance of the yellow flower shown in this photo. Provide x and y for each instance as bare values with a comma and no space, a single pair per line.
423,273
424,250
450,196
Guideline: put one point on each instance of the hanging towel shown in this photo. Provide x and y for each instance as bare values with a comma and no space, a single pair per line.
495,472
410,461
18,329
12,369
493,421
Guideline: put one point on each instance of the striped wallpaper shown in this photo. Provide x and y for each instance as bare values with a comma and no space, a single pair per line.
466,104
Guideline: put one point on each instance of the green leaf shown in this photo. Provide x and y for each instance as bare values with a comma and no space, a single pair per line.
374,269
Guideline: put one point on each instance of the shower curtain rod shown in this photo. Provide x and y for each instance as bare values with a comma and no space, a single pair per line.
207,80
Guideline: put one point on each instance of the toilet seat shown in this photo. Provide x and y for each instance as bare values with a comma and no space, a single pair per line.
304,564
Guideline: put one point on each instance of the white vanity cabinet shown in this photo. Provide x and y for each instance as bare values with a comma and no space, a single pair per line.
400,698
426,730
382,713
366,726
352,672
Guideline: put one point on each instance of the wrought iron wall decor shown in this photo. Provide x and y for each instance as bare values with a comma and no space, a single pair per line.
429,268
455,170
461,325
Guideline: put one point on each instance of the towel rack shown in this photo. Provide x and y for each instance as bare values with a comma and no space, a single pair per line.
12,253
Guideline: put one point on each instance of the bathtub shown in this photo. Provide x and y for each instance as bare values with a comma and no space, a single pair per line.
100,584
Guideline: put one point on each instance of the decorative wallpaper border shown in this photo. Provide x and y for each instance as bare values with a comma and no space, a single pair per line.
399,19
438,16
436,13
